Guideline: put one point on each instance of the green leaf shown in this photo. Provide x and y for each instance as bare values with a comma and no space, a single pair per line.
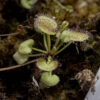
28,4
68,35
20,58
45,24
47,65
49,80
26,47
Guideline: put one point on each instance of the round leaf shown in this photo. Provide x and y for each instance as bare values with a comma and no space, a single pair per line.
47,66
45,24
49,80
26,46
20,58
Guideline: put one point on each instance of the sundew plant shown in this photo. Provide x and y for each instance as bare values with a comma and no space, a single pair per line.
48,27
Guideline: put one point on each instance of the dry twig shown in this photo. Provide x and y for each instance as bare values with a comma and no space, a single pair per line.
17,66
18,31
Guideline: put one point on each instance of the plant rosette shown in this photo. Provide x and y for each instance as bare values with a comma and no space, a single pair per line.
69,35
45,24
49,80
48,65
26,47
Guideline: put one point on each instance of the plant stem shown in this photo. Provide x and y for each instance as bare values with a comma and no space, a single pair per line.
61,43
63,48
60,5
50,73
35,55
58,39
49,43
45,42
17,66
55,46
39,50
56,43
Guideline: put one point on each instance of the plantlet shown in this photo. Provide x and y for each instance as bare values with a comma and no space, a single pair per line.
49,80
28,4
48,26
